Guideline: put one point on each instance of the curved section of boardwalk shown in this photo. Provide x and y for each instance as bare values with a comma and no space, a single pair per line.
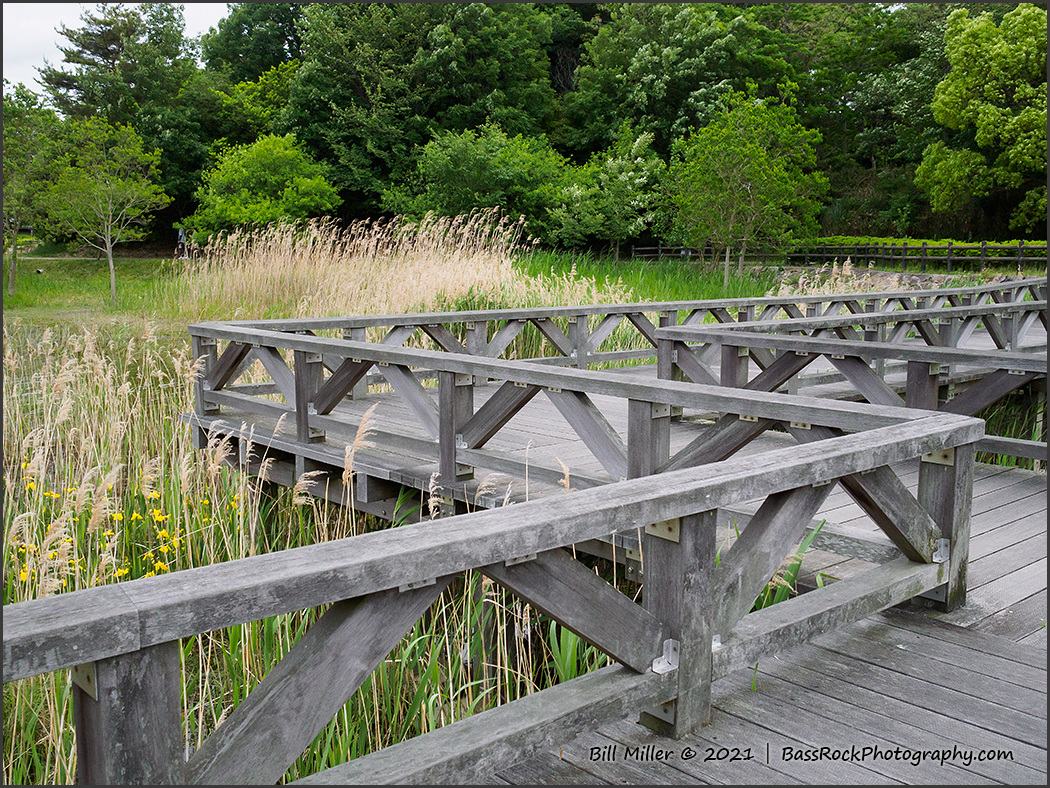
759,420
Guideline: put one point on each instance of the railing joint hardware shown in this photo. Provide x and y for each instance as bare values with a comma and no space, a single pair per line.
417,584
1015,372
674,356
463,379
660,410
943,553
716,642
84,677
745,417
520,384
743,351
554,389
802,425
943,457
668,661
837,356
665,529
520,559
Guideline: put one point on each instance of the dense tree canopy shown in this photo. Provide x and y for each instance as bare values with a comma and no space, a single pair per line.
264,182
927,118
996,94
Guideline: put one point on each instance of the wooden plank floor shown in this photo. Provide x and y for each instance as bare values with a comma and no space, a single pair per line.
897,698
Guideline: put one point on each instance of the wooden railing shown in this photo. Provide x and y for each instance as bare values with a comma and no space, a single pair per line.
852,343
122,640
883,255
694,626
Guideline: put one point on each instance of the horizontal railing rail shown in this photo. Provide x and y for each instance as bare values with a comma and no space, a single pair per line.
121,640
932,370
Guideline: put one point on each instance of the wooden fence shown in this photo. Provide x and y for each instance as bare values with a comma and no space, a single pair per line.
122,640
883,256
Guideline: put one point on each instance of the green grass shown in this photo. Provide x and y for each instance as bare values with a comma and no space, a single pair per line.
654,280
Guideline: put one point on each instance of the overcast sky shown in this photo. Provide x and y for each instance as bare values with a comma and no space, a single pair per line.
30,37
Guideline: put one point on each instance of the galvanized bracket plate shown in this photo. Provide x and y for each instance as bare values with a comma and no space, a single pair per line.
665,529
943,552
416,584
943,457
84,677
520,560
668,661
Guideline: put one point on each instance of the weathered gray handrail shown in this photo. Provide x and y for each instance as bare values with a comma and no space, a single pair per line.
580,343
999,372
127,633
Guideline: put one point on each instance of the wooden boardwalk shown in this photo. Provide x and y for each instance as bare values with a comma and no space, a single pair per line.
897,698
698,474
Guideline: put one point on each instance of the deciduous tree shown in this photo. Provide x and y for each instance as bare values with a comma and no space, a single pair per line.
106,190
267,181
995,91
747,178
29,156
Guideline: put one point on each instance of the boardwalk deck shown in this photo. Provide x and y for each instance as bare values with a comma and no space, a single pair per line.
643,466
887,697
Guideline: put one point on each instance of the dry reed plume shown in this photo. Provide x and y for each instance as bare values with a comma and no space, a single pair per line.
321,268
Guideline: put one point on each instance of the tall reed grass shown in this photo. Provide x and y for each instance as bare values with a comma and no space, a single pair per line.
102,485
322,268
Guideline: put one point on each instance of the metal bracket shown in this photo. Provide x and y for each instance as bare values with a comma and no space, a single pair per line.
837,356
935,369
743,351
802,425
660,411
943,457
943,552
1015,372
674,356
665,529
521,385
84,677
744,417
553,388
471,325
669,660
416,584
520,560
464,380
716,642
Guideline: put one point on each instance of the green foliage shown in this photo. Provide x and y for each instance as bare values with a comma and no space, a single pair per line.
665,67
106,190
746,178
486,168
782,585
996,94
614,196
268,181
254,39
379,81
29,157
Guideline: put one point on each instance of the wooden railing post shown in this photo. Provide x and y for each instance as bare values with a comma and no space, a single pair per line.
205,353
128,715
678,560
946,493
455,407
923,258
360,389
579,331
307,380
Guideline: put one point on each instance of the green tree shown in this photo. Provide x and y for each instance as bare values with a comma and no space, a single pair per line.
614,196
995,94
253,39
379,80
29,156
747,178
664,68
485,168
269,180
106,190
